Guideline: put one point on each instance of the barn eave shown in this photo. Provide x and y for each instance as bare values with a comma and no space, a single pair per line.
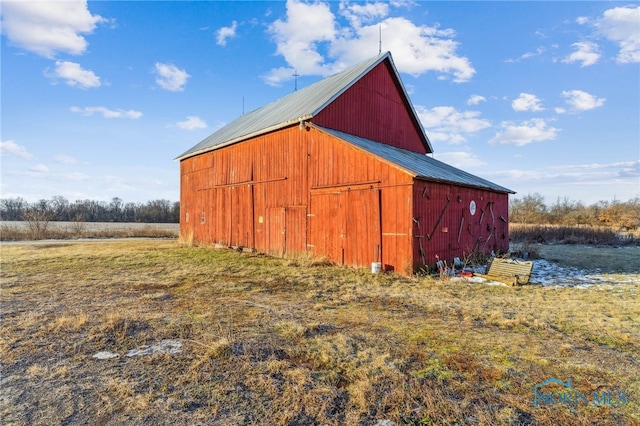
244,137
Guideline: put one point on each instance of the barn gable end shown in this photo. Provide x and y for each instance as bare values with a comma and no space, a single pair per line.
376,107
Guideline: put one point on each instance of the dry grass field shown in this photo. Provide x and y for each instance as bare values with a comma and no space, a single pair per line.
45,230
260,340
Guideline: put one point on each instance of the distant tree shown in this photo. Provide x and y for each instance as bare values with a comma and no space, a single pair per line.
530,209
175,213
115,210
570,213
130,213
578,215
12,208
157,211
619,215
38,217
60,208
80,210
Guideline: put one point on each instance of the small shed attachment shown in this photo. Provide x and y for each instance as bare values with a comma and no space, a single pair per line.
509,271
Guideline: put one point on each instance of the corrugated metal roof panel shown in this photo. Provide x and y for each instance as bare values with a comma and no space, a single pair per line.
299,105
421,165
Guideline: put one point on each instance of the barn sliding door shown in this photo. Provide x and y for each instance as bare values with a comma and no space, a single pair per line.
286,230
326,226
346,226
362,242
276,231
241,232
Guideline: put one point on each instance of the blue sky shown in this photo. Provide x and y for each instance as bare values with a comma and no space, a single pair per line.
98,98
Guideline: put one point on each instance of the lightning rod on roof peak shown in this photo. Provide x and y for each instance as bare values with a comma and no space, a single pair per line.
295,75
379,39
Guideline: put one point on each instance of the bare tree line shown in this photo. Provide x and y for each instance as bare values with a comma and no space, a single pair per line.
619,215
58,208
529,209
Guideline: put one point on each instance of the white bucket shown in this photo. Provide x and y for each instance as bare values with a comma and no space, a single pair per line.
376,267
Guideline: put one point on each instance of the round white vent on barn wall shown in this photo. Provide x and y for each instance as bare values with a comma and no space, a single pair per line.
472,207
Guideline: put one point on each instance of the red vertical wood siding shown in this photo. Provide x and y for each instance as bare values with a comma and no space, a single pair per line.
294,191
302,190
360,206
374,108
445,228
228,194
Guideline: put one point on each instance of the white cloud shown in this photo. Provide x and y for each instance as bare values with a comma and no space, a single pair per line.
39,168
191,123
74,75
225,33
75,176
446,124
357,14
171,77
310,28
12,148
627,168
539,51
476,99
527,132
416,49
600,174
574,180
408,4
587,53
64,159
620,25
581,101
297,37
277,75
106,112
49,27
526,102
460,159
582,20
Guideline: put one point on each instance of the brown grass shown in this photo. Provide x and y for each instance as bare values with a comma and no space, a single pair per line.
288,342
9,232
601,236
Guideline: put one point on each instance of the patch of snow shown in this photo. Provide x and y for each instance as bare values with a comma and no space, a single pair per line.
105,355
477,280
550,274
469,279
167,346
497,283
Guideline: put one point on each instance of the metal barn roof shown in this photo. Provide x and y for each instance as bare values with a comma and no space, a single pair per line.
298,106
421,165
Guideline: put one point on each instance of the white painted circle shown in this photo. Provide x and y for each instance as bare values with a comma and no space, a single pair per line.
472,207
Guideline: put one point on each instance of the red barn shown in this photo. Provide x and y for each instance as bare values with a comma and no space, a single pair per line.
339,170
